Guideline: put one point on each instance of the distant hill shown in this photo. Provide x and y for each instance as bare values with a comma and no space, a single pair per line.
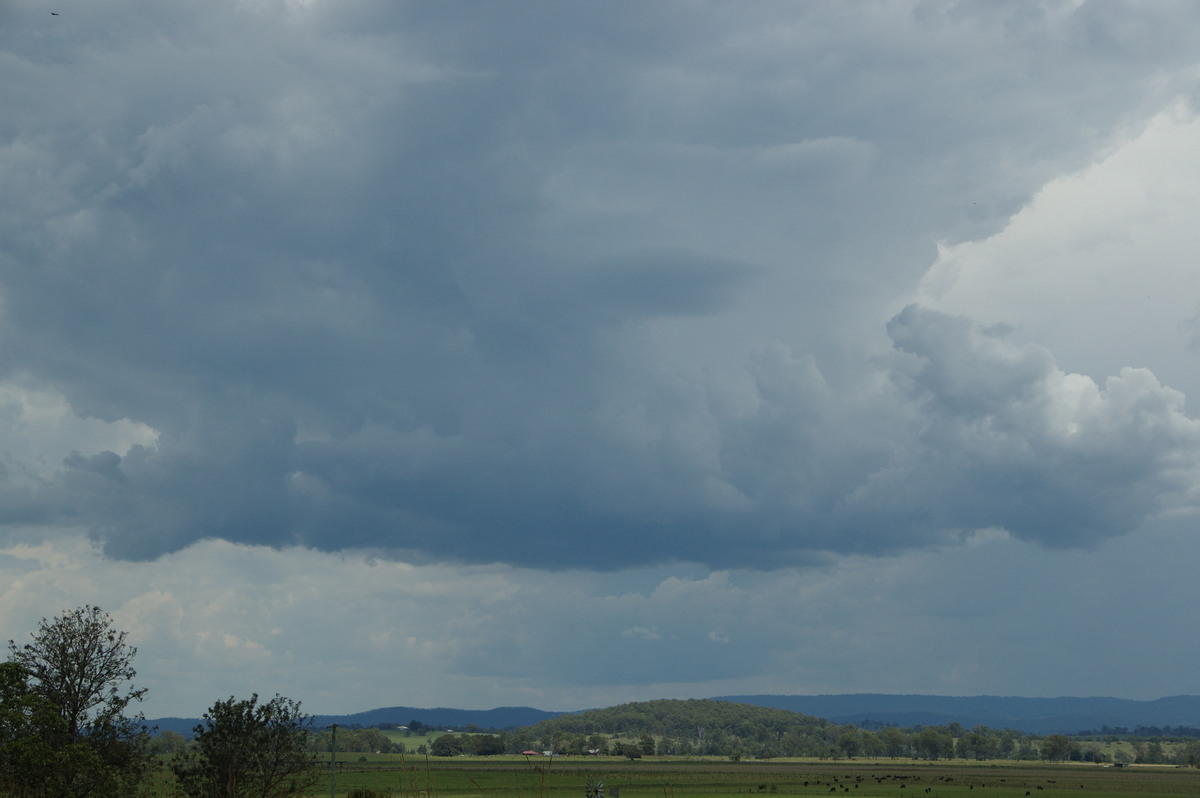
1035,715
441,717
182,726
444,717
680,717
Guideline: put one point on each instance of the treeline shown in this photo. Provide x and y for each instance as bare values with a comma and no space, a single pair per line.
371,741
1143,731
719,728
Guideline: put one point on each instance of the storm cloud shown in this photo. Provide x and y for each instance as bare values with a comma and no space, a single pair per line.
700,315
553,287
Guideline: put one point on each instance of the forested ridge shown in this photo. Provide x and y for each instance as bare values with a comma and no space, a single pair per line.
709,727
683,717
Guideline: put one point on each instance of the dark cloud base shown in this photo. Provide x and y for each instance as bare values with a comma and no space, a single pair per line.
970,430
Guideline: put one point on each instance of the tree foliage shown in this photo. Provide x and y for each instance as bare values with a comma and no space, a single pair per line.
63,729
354,741
82,665
29,728
245,749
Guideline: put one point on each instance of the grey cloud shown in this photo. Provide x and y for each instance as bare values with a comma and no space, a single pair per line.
522,285
655,283
228,481
973,430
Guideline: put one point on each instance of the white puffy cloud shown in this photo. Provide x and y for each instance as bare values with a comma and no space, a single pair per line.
1006,439
1099,265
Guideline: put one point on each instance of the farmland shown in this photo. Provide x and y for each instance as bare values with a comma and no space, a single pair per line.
654,777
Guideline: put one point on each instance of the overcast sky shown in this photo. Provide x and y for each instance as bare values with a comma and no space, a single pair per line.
565,354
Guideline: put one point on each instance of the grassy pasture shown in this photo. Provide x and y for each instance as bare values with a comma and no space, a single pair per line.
565,777
413,739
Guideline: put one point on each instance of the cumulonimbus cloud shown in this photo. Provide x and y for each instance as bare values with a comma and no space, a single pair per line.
970,429
582,295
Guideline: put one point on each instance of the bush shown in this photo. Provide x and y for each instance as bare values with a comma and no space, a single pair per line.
246,749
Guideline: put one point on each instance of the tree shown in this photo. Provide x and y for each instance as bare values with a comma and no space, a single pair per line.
485,745
1152,754
872,745
26,720
249,750
1191,754
646,743
850,743
1059,747
70,687
979,743
168,743
930,743
895,742
446,745
81,664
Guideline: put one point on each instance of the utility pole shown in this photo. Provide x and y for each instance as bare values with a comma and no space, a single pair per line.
333,761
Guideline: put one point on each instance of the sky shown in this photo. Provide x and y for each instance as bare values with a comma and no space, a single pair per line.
565,354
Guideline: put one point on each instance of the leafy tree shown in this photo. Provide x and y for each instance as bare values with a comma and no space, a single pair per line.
446,745
629,750
26,721
930,743
485,745
375,741
850,743
70,687
249,750
81,664
979,743
1151,753
1190,755
1059,747
354,741
895,742
872,745
168,743
646,743
1007,745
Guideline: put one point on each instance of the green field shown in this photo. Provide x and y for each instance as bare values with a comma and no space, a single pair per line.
568,777
412,739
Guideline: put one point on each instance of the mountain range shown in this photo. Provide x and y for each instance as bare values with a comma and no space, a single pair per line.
1034,715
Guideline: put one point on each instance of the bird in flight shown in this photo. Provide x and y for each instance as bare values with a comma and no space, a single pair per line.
54,13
